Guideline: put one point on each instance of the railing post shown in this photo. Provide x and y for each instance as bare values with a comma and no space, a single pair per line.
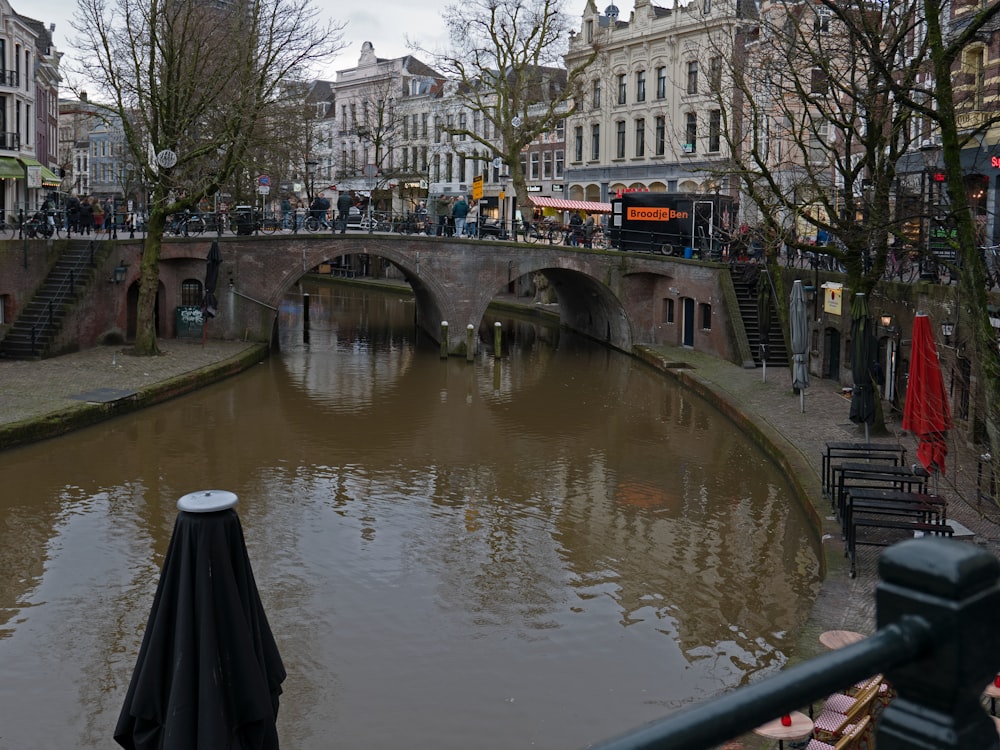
955,587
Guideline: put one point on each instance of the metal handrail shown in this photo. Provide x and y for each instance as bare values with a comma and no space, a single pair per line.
937,645
61,294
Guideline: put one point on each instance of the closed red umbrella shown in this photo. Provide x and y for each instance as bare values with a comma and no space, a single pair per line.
927,412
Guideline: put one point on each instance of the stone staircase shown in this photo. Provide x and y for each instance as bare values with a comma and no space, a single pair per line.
32,334
745,279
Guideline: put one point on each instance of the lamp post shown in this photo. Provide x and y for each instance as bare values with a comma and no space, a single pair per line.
928,265
947,330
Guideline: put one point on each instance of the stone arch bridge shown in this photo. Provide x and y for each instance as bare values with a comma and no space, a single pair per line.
622,299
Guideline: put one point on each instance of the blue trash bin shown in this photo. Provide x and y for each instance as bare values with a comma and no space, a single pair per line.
689,252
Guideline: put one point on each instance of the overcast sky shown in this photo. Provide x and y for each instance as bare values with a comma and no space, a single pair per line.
385,23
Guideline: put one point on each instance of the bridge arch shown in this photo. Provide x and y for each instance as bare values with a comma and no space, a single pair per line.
622,299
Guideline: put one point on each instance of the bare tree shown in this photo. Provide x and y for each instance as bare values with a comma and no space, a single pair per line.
506,58
192,83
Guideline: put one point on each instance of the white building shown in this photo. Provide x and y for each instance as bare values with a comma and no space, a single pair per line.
651,113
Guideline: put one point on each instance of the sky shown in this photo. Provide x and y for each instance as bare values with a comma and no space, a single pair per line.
386,24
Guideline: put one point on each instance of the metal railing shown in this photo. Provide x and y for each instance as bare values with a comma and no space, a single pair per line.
61,295
938,610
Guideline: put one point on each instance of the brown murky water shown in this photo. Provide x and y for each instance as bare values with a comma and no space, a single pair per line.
452,555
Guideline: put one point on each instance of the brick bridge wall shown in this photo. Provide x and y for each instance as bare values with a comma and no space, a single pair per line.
618,298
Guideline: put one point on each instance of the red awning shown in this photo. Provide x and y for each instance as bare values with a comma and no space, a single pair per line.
593,207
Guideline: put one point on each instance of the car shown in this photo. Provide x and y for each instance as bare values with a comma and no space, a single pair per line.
489,230
354,218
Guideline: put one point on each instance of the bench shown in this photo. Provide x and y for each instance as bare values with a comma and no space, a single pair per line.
876,476
940,529
883,452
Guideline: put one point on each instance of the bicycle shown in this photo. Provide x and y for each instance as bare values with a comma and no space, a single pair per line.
37,227
187,225
901,267
374,223
313,224
270,224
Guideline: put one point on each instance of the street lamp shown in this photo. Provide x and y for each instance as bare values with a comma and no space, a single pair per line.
311,165
930,151
947,330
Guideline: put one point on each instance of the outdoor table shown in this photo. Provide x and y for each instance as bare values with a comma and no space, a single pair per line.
834,639
876,502
851,474
800,728
882,452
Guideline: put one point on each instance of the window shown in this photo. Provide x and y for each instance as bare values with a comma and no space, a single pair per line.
462,126
715,74
561,130
589,29
578,144
640,137
423,125
622,89
819,84
620,139
692,85
406,129
595,141
668,310
547,165
191,295
706,316
640,86
714,129
596,94
821,24
817,142
661,83
559,168
661,135
533,171
690,133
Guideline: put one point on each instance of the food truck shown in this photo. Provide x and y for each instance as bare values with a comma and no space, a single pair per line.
671,223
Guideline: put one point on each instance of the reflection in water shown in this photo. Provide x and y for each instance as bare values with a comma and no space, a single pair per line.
541,551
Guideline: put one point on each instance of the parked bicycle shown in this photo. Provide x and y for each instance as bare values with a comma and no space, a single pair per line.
38,227
900,266
187,224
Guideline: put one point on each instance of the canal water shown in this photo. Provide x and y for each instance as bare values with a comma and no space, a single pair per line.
538,552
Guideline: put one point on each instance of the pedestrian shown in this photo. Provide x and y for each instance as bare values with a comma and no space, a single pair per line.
588,231
442,209
344,204
575,229
472,220
73,213
98,212
86,216
286,213
459,213
421,212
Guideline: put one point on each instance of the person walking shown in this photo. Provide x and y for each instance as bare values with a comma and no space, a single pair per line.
86,216
344,204
442,209
459,212
73,213
472,221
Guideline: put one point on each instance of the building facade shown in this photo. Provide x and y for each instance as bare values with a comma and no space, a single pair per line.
650,116
29,85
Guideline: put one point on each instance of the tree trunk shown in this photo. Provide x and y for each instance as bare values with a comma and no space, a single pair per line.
149,284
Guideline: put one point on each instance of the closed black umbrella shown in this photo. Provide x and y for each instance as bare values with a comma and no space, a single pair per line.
865,353
214,261
208,674
798,323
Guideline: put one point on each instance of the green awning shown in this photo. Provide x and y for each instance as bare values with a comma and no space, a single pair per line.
50,178
10,169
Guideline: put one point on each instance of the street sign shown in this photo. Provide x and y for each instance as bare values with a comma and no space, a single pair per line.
264,180
497,163
370,170
263,189
477,187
